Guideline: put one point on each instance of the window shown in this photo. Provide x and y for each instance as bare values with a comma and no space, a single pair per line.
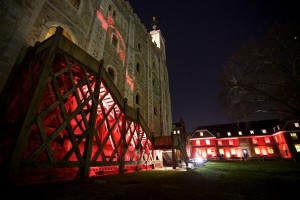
153,82
296,124
254,140
207,142
267,140
109,7
294,136
197,142
221,151
220,142
114,13
233,151
178,131
297,147
155,111
174,132
240,133
137,98
257,150
75,3
230,142
111,73
251,132
138,68
209,151
114,41
228,133
201,133
270,150
264,131
218,135
139,47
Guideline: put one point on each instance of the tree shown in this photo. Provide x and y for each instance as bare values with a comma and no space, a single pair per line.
263,76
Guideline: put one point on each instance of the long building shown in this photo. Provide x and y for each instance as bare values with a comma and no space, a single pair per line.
265,139
53,53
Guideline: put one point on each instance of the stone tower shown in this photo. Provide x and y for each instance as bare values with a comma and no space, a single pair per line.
106,29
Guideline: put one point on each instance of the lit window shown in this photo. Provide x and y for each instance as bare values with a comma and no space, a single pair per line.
296,124
207,142
257,150
198,142
208,150
221,151
254,140
294,136
240,133
178,131
233,151
267,140
228,133
270,150
219,142
230,142
174,132
75,3
114,41
264,131
297,147
201,133
251,132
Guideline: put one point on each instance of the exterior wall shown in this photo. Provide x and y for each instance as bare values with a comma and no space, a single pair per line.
270,146
92,27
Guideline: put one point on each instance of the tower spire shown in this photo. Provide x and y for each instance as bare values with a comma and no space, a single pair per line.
154,23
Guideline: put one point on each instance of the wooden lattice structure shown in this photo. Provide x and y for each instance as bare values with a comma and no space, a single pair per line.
64,118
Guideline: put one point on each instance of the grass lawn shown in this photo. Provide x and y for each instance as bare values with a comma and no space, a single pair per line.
216,180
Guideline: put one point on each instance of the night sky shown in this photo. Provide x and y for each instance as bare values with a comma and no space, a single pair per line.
200,36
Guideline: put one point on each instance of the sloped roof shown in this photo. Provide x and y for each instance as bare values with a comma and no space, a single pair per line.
291,125
271,126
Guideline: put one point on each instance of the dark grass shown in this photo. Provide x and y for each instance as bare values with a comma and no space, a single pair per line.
216,180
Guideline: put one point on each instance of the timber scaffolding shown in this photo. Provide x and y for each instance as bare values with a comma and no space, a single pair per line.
62,117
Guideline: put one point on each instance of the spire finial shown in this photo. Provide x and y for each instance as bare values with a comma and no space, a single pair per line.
154,23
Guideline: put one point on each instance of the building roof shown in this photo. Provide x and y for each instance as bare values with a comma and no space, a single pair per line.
263,127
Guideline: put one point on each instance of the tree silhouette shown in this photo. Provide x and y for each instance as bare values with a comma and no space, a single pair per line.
263,76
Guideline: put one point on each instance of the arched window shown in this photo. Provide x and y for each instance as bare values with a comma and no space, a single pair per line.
75,3
114,41
137,99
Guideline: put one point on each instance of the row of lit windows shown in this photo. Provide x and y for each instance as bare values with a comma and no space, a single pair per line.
241,133
231,142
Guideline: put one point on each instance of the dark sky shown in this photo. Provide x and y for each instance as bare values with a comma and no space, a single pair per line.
200,36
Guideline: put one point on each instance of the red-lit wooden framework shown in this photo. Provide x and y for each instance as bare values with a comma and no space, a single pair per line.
64,117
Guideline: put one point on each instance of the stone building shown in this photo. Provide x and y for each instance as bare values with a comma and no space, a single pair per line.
84,89
106,29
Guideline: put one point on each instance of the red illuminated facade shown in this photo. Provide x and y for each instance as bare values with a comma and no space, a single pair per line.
267,139
84,91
